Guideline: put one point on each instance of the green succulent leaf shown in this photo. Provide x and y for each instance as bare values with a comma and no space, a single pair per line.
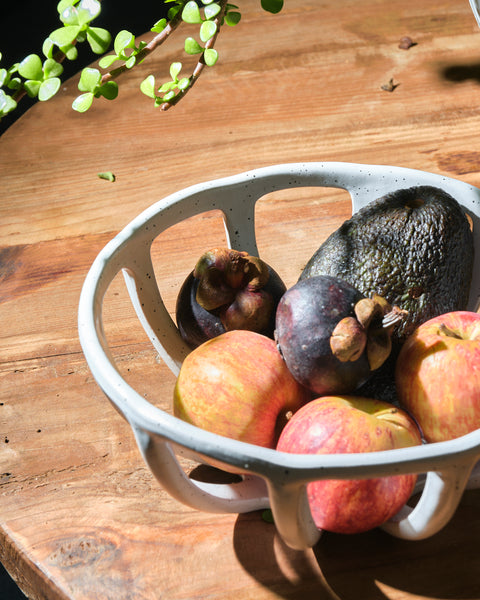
267,516
159,26
165,87
89,80
175,69
107,175
232,18
83,102
109,90
93,7
107,61
69,16
15,83
64,36
131,62
173,12
272,6
71,52
4,77
84,17
147,87
31,87
52,68
82,14
169,96
191,13
31,67
99,39
210,56
7,104
207,30
47,48
211,10
63,4
192,46
124,39
48,88
184,83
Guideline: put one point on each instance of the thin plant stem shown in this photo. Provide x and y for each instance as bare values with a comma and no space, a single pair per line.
199,67
150,47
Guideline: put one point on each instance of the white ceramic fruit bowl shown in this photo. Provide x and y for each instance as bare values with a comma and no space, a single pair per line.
273,479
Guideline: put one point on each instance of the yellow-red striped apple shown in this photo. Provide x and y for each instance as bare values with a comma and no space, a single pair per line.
237,385
438,375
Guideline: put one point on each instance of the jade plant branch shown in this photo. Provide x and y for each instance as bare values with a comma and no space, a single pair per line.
38,76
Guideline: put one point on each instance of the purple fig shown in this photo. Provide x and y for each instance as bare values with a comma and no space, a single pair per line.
228,289
331,337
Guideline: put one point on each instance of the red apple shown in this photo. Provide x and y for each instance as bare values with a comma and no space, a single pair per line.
438,375
238,385
347,424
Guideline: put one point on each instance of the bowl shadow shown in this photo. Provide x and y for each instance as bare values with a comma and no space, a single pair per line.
370,566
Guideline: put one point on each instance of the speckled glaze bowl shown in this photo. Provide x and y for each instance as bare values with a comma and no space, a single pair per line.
273,479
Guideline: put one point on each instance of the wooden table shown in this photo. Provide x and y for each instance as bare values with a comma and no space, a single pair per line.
81,517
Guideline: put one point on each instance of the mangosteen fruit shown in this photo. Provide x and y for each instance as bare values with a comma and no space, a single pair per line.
228,289
331,337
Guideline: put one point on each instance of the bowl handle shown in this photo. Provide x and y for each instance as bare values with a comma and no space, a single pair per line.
441,495
475,6
439,500
244,496
292,515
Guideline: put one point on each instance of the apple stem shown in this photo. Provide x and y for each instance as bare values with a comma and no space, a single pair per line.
443,329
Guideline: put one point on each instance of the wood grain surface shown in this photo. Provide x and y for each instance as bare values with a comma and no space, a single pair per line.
81,517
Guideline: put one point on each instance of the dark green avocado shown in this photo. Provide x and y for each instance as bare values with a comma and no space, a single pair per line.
413,247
